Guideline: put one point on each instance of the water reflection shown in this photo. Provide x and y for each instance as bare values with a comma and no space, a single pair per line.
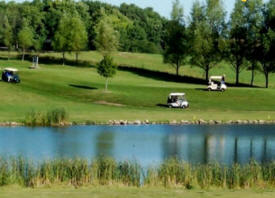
105,144
221,144
147,145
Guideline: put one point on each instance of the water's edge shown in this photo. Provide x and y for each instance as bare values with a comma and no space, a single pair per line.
147,122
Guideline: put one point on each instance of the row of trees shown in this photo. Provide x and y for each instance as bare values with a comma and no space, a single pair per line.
40,24
247,41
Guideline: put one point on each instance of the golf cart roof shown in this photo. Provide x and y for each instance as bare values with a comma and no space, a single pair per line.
216,77
177,94
10,69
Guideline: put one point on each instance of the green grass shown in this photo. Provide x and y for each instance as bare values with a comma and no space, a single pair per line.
132,95
129,192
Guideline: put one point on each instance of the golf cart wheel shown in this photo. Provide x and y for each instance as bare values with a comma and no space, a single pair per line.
222,90
209,89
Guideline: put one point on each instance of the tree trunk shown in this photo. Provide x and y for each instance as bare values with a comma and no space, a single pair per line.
76,57
63,55
252,75
106,84
207,73
237,74
177,68
23,54
8,54
266,79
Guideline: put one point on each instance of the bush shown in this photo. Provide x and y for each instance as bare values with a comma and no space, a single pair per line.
51,117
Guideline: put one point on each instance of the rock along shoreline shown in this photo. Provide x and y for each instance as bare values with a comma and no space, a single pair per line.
147,122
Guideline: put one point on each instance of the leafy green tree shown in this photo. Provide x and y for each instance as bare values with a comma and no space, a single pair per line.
60,42
266,45
176,41
177,11
106,68
6,34
107,39
25,38
254,17
150,22
207,30
69,39
77,37
237,44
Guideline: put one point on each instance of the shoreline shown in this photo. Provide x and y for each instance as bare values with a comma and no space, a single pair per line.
144,122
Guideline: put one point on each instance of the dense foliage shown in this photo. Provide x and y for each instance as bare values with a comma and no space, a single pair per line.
141,30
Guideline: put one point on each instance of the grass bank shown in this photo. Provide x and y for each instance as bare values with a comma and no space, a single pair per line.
129,192
138,92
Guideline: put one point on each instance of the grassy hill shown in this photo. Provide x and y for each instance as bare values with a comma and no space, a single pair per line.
138,91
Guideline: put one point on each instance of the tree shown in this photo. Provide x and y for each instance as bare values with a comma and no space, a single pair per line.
151,23
107,39
207,31
254,17
60,42
266,46
176,42
6,34
67,39
106,68
25,38
237,44
77,37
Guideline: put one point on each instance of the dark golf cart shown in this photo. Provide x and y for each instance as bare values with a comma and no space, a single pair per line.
10,75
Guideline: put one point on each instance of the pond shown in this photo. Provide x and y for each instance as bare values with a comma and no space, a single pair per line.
146,144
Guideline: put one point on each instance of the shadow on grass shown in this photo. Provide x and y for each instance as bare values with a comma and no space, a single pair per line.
164,76
82,87
163,105
50,60
202,89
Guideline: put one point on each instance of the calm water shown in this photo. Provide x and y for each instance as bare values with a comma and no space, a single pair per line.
148,145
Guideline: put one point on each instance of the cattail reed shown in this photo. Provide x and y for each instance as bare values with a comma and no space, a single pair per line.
49,118
107,171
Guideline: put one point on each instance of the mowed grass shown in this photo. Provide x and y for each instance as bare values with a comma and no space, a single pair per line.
132,95
129,192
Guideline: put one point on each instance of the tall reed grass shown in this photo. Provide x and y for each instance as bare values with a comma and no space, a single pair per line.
49,118
107,171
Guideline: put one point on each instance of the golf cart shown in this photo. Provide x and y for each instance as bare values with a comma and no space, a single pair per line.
177,100
220,86
10,75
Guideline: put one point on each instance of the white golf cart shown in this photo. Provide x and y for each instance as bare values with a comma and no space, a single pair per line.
177,100
220,86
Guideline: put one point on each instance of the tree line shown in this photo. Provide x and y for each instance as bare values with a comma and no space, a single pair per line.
35,25
246,40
